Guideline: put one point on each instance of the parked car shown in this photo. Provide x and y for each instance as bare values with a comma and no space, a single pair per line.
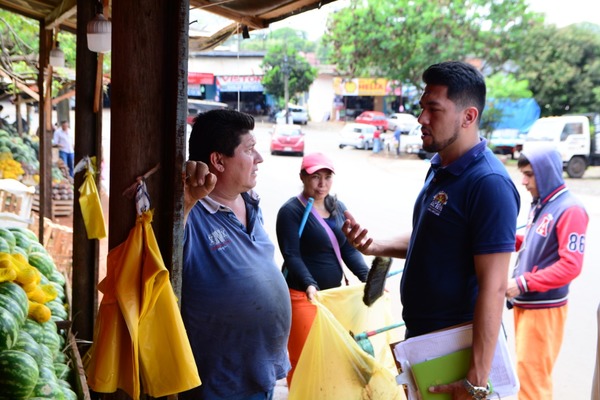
375,118
196,107
507,141
412,143
359,136
298,115
404,121
287,139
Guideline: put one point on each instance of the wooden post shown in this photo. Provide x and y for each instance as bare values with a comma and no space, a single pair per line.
88,139
45,148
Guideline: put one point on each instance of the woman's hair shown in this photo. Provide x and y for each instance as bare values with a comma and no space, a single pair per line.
218,131
331,203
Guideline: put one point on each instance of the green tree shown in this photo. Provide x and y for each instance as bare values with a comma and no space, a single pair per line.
19,55
280,60
399,39
500,87
563,68
263,39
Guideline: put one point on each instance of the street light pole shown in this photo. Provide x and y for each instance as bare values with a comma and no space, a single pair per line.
286,93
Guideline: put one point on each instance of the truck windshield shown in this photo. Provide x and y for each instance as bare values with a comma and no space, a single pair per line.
545,130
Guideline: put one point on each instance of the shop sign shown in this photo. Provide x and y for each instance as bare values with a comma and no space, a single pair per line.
240,83
364,87
200,78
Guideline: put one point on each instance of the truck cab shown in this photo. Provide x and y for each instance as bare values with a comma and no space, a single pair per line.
574,138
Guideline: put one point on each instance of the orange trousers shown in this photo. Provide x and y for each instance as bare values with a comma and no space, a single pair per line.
303,316
538,337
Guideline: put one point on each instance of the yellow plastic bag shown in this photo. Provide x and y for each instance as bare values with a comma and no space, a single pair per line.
139,333
346,305
91,207
333,366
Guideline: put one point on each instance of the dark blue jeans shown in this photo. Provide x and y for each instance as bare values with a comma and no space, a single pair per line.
68,159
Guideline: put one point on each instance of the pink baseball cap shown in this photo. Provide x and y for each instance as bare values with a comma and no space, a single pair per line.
311,163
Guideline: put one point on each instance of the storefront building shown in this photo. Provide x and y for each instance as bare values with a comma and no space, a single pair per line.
355,95
229,77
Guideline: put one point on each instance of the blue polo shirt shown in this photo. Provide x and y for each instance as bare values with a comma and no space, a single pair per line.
467,208
235,303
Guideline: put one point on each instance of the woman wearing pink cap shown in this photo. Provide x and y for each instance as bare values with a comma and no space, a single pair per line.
313,257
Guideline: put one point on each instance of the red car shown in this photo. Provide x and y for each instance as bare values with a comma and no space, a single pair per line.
287,139
375,118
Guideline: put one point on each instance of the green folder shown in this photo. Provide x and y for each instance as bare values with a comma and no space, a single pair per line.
440,371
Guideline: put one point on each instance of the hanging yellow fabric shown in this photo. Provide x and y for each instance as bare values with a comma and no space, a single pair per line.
332,365
89,201
139,334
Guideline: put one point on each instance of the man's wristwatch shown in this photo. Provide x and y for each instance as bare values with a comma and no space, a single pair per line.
478,392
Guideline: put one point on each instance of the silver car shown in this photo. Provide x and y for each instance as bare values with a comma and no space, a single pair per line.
404,121
359,136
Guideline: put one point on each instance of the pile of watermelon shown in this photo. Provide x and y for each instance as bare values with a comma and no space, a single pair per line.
33,362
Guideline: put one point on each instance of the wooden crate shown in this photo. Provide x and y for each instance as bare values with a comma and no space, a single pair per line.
60,208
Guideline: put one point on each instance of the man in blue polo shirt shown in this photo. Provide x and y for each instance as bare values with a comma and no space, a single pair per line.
464,224
234,301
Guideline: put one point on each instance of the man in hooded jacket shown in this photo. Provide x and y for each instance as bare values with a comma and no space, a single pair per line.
550,256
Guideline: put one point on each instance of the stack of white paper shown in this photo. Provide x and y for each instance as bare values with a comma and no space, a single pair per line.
426,347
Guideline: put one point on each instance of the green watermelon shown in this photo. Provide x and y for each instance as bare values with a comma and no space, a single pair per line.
63,383
60,289
34,328
47,385
69,394
57,277
20,250
9,329
16,293
27,344
58,308
52,340
62,370
7,235
19,374
61,358
36,247
22,240
48,356
14,308
4,247
42,262
27,232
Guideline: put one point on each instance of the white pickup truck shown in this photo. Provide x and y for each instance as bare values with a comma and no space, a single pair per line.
575,138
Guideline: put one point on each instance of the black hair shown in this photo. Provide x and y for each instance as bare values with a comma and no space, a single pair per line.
331,204
466,85
218,131
523,161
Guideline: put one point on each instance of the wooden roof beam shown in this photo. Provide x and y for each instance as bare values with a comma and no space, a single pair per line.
61,14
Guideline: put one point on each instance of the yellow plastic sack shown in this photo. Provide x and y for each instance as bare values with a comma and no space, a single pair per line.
91,208
333,366
139,334
347,306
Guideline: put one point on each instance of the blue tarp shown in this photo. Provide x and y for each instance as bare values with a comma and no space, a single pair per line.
516,114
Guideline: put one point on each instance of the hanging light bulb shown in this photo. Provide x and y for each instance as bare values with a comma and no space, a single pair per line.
99,32
57,56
